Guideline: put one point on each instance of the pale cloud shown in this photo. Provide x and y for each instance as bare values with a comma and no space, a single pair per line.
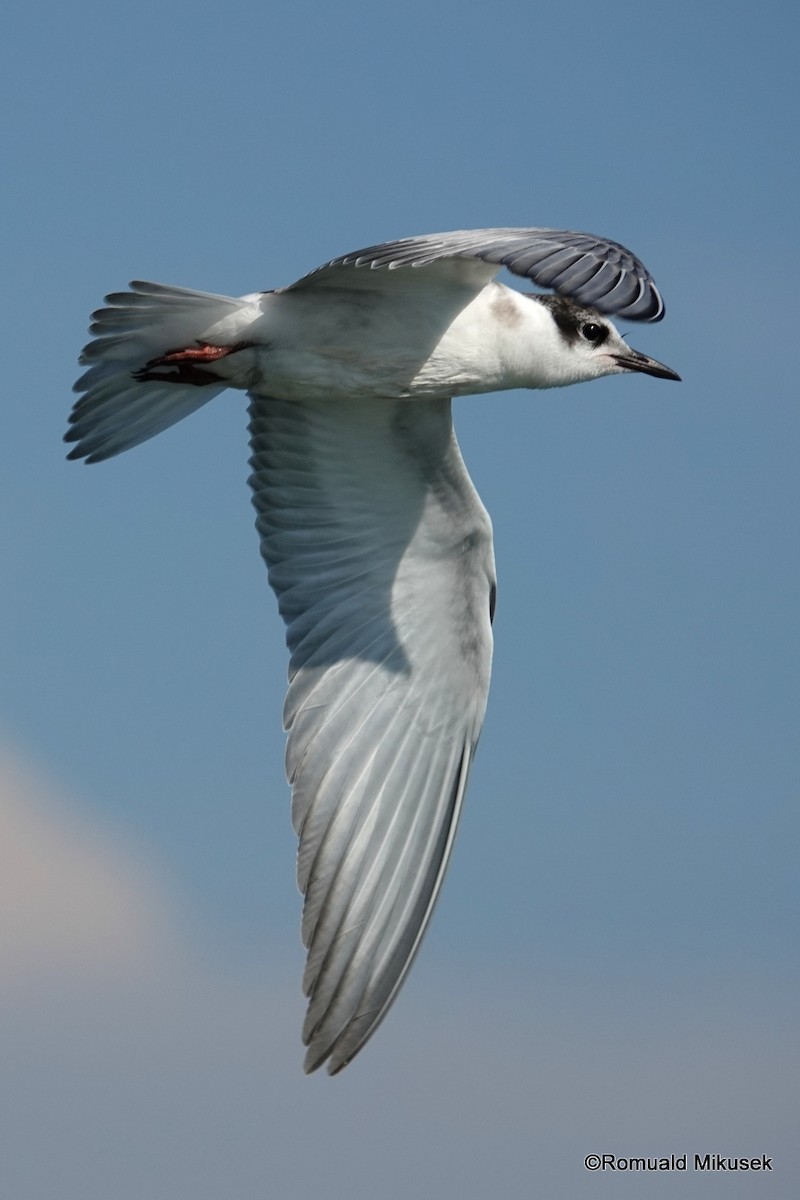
138,1063
72,902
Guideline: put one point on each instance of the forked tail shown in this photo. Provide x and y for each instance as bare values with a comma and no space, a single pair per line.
150,364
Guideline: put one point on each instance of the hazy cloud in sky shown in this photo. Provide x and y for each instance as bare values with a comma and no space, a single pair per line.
137,1062
72,903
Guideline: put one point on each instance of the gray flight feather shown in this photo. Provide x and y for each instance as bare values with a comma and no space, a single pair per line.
593,270
380,553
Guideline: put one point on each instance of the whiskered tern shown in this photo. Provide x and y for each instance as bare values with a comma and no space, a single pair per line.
376,543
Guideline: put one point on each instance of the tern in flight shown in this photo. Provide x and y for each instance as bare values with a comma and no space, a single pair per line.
377,545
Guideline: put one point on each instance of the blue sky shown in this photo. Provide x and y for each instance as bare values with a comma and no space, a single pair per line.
613,965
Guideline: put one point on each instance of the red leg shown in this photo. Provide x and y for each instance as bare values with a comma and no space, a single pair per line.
189,362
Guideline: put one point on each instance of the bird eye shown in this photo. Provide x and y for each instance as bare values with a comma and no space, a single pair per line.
593,332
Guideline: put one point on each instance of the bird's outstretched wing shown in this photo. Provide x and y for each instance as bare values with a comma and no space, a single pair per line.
594,271
380,553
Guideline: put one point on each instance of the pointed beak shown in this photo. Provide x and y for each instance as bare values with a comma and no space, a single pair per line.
632,360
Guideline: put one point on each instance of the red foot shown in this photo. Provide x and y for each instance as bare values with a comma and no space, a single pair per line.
189,362
204,352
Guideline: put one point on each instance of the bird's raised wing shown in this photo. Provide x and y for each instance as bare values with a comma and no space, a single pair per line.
594,271
380,553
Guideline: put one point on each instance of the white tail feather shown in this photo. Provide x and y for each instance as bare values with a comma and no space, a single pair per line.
119,408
